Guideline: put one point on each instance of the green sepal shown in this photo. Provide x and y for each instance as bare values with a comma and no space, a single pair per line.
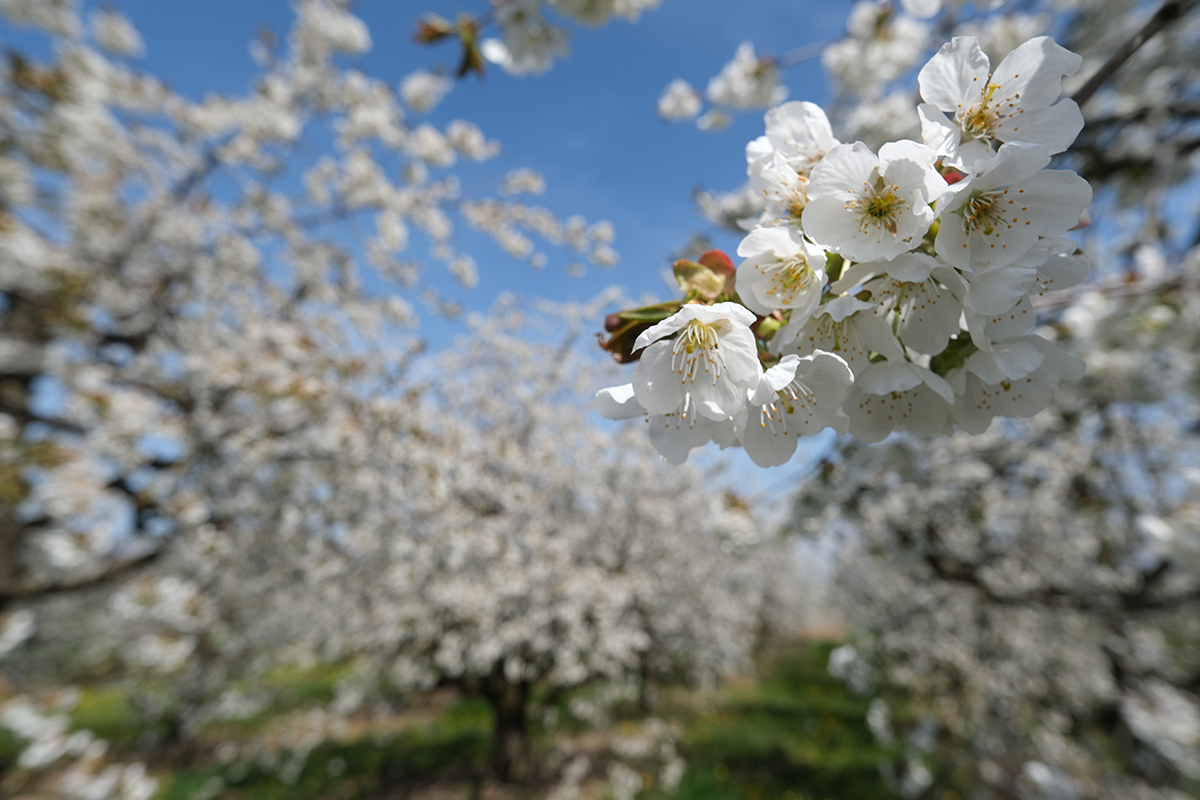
834,264
768,327
651,313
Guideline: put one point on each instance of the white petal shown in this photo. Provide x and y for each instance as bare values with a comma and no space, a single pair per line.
1055,127
929,317
1059,361
757,151
844,167
885,377
824,370
655,383
741,357
735,313
999,289
937,130
873,417
767,441
858,273
674,437
775,379
1006,361
800,131
910,163
769,244
958,70
937,383
841,307
829,223
1013,163
1032,74
659,330
999,328
619,402
1052,201
1063,270
910,267
876,336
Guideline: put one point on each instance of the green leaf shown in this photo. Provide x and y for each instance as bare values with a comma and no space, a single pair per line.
651,313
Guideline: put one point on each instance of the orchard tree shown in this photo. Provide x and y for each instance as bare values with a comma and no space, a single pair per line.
490,537
170,314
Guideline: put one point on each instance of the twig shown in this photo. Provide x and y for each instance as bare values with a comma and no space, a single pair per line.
801,54
1169,12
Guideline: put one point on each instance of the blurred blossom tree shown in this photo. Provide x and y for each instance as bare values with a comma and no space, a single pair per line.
169,305
1037,588
488,537
189,355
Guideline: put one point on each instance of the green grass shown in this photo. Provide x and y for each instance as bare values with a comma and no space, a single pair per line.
10,748
295,687
452,747
109,712
797,735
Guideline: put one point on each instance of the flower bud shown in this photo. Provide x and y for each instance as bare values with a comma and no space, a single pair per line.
432,29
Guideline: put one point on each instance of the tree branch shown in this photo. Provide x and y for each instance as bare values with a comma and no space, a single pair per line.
113,571
1168,13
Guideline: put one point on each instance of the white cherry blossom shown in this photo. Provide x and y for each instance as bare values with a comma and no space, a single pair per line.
530,43
921,409
1065,266
800,132
882,45
598,12
778,163
994,217
781,270
926,314
799,396
747,82
1019,102
422,90
978,402
706,368
846,327
673,435
869,207
783,191
116,34
679,101
996,288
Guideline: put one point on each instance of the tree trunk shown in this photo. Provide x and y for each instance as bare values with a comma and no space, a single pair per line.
648,689
10,539
510,731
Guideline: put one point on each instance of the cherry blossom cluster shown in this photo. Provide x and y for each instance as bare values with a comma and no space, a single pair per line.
878,291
